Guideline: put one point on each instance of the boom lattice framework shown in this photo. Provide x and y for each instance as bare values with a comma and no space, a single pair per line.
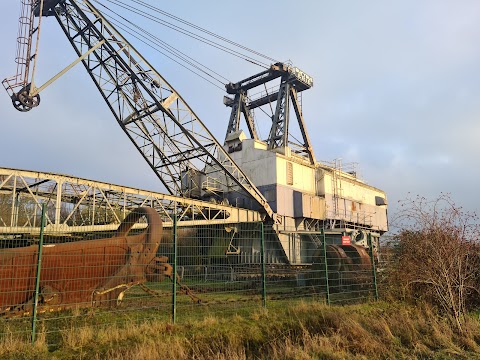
169,135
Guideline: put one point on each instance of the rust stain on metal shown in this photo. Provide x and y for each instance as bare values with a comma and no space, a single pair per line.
84,273
346,264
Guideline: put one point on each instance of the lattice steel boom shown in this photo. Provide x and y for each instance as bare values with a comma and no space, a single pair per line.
168,134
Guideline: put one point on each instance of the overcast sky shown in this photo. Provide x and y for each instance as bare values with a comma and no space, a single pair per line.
396,89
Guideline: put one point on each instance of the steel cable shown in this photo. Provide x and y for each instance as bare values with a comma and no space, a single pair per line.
174,27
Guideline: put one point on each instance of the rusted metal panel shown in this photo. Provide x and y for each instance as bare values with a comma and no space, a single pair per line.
347,265
84,273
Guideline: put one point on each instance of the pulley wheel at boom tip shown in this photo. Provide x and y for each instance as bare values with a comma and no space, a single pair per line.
23,102
19,106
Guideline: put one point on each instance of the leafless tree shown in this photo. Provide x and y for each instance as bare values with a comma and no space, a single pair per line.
437,256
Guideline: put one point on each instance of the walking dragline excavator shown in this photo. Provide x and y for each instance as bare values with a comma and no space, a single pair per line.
299,197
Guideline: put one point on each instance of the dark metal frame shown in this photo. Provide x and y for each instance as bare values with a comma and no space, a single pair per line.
292,82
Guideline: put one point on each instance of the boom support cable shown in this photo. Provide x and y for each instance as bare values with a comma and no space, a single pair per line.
139,37
203,30
147,37
186,32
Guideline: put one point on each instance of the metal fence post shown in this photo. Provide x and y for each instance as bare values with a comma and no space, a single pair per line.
324,248
174,286
37,279
374,270
264,275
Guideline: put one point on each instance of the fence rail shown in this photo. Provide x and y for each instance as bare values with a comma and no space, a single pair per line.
143,272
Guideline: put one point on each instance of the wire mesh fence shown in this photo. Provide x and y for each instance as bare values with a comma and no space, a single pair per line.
54,280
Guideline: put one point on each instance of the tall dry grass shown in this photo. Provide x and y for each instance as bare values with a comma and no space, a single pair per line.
305,330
